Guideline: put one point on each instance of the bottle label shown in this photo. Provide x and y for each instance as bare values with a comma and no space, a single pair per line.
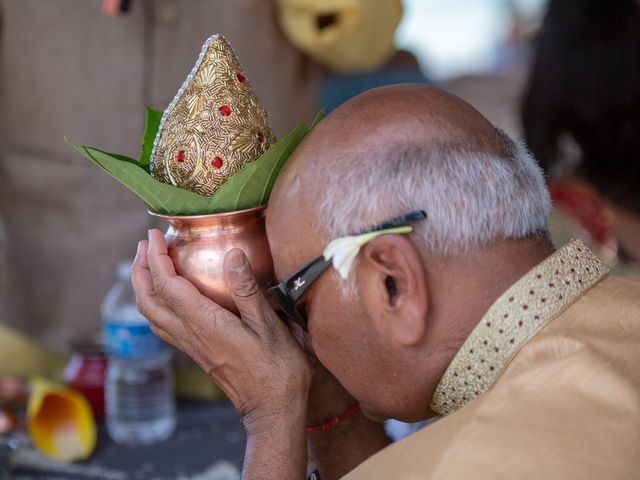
131,341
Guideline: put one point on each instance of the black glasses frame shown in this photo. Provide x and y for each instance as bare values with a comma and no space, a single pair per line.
288,292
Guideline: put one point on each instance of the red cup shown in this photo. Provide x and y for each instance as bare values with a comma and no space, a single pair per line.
86,372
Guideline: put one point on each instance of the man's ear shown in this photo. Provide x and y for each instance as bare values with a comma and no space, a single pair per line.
394,288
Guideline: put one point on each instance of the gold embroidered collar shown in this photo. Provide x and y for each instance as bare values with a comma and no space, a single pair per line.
519,314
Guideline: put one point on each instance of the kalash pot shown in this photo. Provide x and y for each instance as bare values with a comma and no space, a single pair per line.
198,244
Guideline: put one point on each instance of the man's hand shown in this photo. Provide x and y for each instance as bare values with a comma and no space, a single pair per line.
253,358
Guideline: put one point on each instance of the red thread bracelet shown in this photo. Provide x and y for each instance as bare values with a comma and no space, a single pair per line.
332,422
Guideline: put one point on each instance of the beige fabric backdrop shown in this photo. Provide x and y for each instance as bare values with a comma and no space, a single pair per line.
66,69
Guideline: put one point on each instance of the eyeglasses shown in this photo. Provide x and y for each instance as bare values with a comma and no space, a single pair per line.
288,293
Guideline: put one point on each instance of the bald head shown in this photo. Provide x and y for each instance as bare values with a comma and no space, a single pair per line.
417,114
406,147
419,111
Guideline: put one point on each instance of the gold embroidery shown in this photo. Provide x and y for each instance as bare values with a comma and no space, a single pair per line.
213,127
515,317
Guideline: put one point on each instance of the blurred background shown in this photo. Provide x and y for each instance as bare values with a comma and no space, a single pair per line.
564,76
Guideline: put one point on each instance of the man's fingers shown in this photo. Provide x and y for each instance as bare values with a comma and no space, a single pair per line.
140,260
158,259
178,294
170,338
161,318
243,286
140,274
147,302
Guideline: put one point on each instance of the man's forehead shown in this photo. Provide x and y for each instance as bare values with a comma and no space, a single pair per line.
294,237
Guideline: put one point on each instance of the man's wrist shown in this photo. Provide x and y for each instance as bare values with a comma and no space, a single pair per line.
281,417
276,446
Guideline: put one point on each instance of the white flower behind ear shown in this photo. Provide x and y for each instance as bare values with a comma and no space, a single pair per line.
344,250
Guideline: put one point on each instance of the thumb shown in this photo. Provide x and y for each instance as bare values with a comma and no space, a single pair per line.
245,291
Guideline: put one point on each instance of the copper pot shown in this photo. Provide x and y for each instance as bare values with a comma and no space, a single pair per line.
198,243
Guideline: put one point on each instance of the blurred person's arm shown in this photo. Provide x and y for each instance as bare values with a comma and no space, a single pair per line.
13,393
627,231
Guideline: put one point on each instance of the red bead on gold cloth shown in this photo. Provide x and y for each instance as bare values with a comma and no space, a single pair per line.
225,110
241,78
180,157
217,162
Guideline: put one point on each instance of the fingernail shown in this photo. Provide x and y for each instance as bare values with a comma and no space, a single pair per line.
237,261
149,236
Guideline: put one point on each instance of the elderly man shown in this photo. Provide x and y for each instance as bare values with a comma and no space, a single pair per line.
531,356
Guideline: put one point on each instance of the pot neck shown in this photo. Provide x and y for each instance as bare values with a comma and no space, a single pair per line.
217,223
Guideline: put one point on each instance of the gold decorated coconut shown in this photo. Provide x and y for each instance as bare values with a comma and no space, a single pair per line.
213,127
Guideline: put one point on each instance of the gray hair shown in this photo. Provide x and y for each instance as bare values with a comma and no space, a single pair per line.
472,198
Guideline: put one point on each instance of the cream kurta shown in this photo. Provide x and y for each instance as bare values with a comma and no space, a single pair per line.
565,404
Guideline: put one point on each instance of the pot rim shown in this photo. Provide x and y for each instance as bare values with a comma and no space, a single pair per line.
246,211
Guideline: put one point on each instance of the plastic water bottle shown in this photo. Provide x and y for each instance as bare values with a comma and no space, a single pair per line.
139,392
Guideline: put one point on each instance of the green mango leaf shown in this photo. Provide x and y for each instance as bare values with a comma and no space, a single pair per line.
151,129
319,116
252,185
161,197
